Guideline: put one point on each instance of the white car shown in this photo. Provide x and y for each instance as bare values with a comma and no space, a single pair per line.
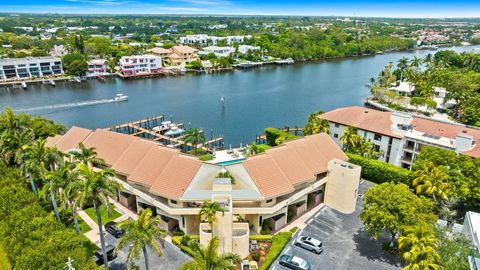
309,243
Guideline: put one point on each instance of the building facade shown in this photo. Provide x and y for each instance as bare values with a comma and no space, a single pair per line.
97,67
400,135
140,65
271,188
30,67
219,51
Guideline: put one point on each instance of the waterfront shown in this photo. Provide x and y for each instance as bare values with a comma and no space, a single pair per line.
254,99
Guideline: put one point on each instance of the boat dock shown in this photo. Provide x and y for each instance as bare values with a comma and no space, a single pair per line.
152,129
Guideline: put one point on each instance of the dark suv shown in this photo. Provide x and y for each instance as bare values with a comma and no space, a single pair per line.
98,255
113,229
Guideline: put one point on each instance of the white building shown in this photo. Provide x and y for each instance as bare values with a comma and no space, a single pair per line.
140,65
97,67
205,40
219,51
23,68
403,89
401,136
58,51
246,48
237,39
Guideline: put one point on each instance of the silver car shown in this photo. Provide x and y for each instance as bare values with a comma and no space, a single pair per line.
309,243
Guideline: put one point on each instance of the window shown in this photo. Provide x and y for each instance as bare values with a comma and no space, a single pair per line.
377,137
174,202
377,147
337,125
269,201
335,135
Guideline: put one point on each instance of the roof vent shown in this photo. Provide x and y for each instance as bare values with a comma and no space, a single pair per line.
464,131
366,111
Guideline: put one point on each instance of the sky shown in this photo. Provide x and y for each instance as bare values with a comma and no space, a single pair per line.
370,8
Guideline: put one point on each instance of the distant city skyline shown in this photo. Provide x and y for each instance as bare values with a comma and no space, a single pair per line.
371,8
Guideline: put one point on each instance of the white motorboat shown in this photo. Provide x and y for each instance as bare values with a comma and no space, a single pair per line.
163,125
174,131
120,97
24,85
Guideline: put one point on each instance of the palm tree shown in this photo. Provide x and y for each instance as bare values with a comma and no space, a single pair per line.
67,178
402,65
142,233
316,125
416,62
194,137
11,144
430,181
207,258
350,138
95,189
86,155
419,247
209,210
36,160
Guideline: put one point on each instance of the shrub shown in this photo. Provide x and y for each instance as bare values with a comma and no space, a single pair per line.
177,241
178,232
294,229
379,171
185,240
265,228
206,157
279,241
275,136
256,256
261,238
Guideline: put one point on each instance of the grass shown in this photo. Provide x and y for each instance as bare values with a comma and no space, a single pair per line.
103,214
82,224
4,264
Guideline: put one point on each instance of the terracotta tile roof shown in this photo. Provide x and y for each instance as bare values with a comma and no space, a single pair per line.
152,165
176,176
52,141
311,155
72,138
108,144
159,50
291,164
183,49
328,147
174,56
268,176
362,118
132,156
448,131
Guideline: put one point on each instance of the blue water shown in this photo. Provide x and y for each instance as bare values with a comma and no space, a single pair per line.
230,162
255,99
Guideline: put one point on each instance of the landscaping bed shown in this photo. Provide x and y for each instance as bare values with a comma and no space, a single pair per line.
103,213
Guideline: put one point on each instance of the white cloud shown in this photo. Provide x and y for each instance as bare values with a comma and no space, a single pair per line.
102,2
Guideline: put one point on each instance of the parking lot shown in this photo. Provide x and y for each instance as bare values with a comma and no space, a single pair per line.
346,245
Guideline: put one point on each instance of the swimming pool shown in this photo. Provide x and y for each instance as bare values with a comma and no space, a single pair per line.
230,162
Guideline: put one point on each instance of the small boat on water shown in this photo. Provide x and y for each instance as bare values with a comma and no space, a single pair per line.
174,131
52,82
163,125
24,85
120,97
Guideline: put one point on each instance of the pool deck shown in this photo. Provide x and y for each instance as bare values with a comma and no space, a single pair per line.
227,155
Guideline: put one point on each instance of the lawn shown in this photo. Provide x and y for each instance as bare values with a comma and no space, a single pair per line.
103,214
4,264
82,224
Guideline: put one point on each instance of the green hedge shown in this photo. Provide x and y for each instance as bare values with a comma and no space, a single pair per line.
177,241
272,134
279,241
379,172
261,238
205,157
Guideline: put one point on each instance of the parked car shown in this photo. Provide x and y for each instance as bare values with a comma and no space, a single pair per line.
309,243
113,229
98,255
294,262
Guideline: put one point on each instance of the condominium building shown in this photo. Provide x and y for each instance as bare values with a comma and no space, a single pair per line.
24,68
219,51
272,188
400,135
97,67
205,40
140,65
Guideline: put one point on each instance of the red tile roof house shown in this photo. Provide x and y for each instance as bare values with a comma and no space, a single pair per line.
402,135
267,186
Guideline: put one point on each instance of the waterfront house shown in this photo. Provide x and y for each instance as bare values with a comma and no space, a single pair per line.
97,67
271,188
246,48
187,54
219,51
403,89
140,65
400,135
30,67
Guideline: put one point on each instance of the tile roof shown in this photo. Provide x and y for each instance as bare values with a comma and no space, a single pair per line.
52,141
152,165
177,175
159,50
72,138
183,49
268,176
291,164
362,118
132,156
109,145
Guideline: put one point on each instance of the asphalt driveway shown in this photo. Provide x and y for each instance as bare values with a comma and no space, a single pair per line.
346,244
